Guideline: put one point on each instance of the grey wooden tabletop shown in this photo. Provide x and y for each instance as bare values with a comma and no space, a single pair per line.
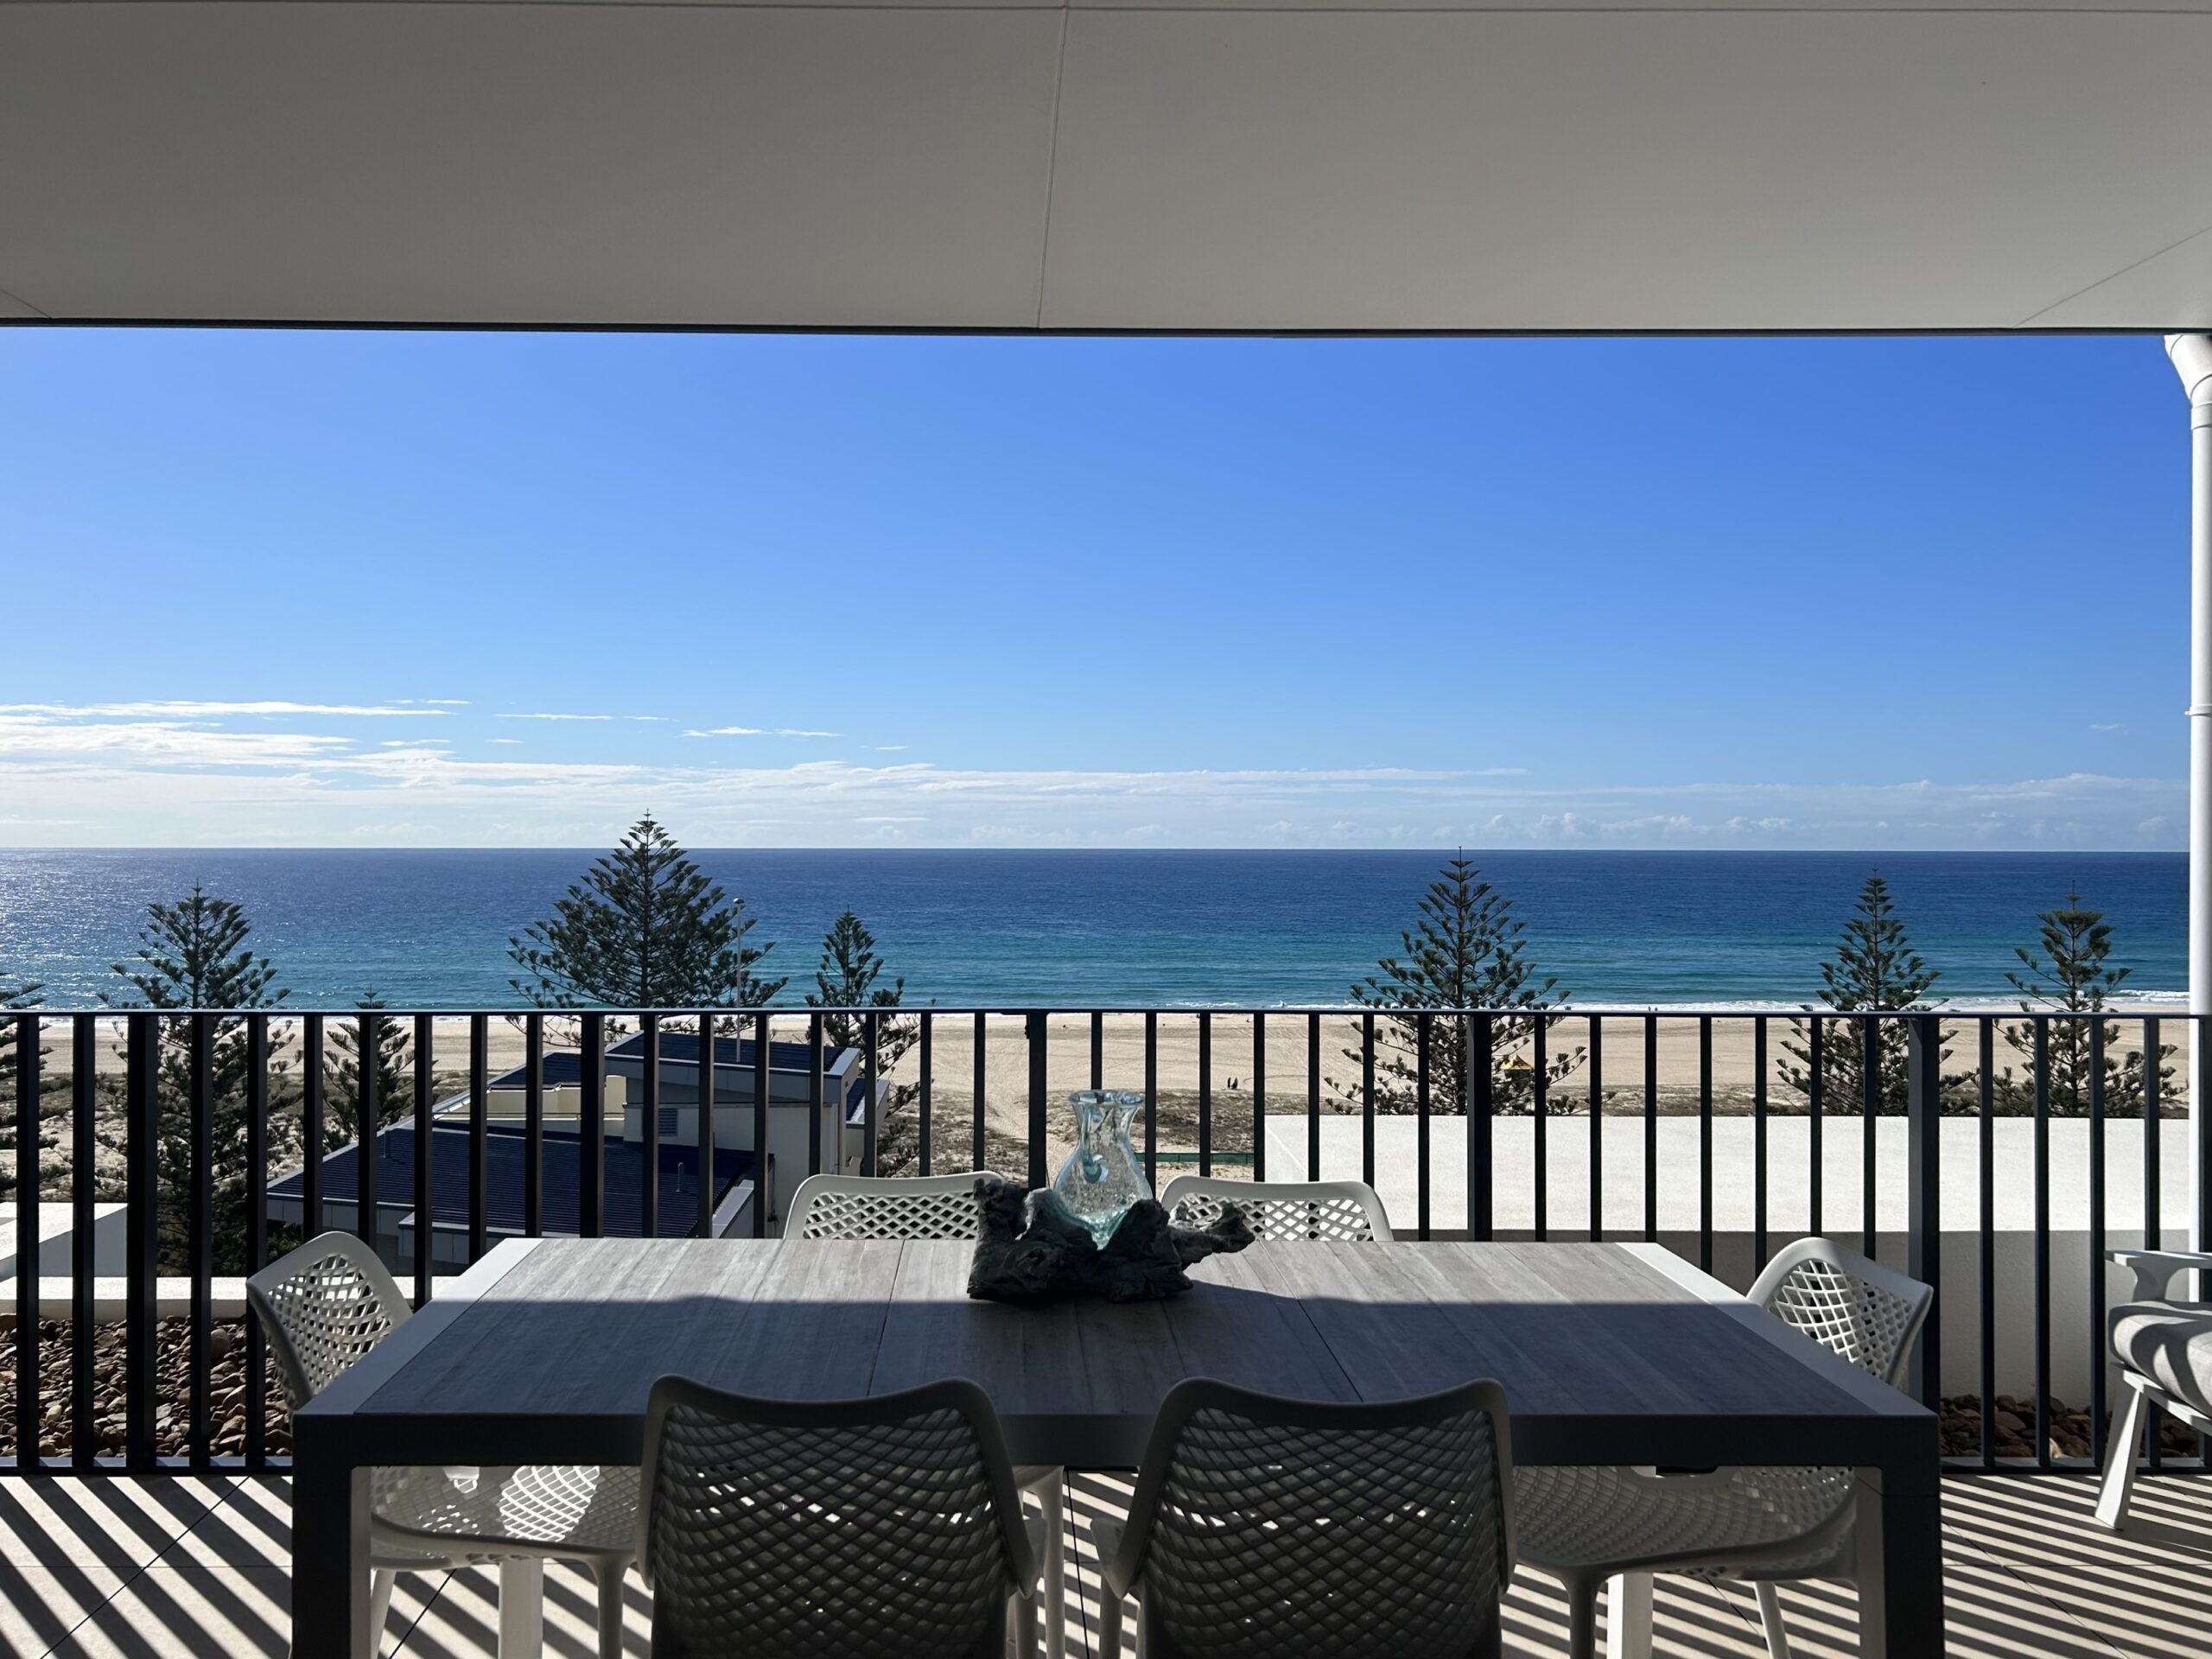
1607,1352
544,1351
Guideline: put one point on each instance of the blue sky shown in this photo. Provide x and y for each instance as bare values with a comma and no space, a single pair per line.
319,588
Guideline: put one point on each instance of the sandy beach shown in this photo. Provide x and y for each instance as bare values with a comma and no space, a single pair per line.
1236,1065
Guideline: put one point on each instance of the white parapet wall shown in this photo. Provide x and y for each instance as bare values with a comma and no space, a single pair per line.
2075,1346
57,1238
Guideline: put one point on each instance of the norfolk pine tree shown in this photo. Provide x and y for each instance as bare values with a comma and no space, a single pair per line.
849,976
1874,968
643,929
2068,970
194,954
1466,951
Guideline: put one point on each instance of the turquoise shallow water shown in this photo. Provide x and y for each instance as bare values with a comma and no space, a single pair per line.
1072,929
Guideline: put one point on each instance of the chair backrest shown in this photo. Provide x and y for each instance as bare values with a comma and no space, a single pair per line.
884,1206
1340,1211
323,1306
1263,1528
1858,1308
857,1526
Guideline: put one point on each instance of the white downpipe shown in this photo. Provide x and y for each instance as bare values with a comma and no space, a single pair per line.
2192,360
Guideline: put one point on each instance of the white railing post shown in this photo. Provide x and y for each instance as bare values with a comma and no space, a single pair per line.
2192,359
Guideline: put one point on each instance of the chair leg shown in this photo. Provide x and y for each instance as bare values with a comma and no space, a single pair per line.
2129,1417
1777,1636
609,1576
1109,1624
1054,1591
522,1608
1582,1619
380,1584
1627,1615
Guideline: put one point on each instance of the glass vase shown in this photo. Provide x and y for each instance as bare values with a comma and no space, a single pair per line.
1103,1177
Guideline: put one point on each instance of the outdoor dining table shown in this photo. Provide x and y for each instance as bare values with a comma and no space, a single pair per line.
1620,1353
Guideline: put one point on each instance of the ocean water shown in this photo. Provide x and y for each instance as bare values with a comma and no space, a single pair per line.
1076,928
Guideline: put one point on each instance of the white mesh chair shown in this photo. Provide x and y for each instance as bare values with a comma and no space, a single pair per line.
884,1206
1334,1211
2164,1349
1263,1527
788,1529
933,1206
328,1303
1586,1525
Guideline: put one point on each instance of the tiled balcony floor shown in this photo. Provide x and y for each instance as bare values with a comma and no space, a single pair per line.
162,1568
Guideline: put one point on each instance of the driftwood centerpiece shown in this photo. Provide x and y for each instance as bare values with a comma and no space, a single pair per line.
1028,1248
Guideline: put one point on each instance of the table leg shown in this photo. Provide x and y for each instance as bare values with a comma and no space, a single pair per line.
1900,1546
330,1555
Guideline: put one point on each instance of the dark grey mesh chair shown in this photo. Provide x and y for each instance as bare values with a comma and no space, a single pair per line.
1263,1528
787,1530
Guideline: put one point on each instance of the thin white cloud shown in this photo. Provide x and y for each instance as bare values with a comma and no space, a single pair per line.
546,716
503,740
891,748
756,731
2107,726
181,709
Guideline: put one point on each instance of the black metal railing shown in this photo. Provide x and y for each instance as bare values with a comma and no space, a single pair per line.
219,1136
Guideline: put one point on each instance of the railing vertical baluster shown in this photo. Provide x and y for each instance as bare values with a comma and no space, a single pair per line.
533,1125
871,1034
1097,1048
591,1130
1816,1163
26,1243
142,1189
1759,1143
2153,1229
1651,1128
256,1228
1259,1097
1986,1290
922,1106
2041,1054
764,1183
2200,1034
311,1148
1539,1088
1039,1035
703,1130
1870,1091
2096,1330
84,1190
982,1152
480,1083
368,1036
648,1126
1206,1093
1420,1125
1152,1100
1367,1099
817,1087
1481,1056
1925,1192
426,1194
1596,1127
1312,1096
1705,1143
200,1249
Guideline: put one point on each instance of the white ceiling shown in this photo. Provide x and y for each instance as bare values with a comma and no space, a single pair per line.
1129,164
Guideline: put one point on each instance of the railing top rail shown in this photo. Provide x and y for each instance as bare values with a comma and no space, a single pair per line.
2118,1010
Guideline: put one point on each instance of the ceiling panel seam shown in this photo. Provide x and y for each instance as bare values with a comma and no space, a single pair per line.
1051,165
2113,276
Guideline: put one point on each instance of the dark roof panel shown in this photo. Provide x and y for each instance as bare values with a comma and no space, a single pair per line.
504,1149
